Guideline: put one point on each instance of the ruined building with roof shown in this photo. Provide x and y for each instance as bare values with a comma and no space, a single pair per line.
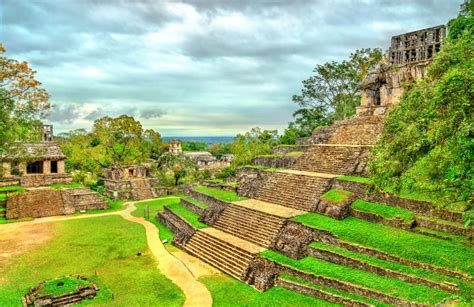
35,164
408,56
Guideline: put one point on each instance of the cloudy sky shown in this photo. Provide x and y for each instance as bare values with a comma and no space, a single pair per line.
204,67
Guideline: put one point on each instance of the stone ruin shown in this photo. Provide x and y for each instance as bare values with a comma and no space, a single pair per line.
34,164
35,297
409,55
130,182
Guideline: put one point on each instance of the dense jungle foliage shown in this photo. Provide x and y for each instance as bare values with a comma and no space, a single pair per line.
428,142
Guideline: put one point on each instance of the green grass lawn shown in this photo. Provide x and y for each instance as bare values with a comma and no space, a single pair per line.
67,186
220,194
336,196
62,285
107,246
198,203
16,188
333,291
355,179
386,211
227,291
154,206
394,287
187,214
396,241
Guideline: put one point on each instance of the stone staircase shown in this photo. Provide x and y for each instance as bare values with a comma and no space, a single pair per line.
220,253
140,189
359,130
254,226
293,190
78,199
333,159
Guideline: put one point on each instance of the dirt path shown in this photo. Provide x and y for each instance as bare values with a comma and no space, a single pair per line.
172,266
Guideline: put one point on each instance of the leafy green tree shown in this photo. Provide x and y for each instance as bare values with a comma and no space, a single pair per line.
178,165
23,102
153,143
193,146
428,140
334,88
121,138
251,144
306,120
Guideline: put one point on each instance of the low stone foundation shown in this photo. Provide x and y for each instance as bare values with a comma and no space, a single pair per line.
35,298
49,202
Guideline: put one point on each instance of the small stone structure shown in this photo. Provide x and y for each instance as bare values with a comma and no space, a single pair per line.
35,297
130,182
409,55
175,147
205,160
34,164
49,202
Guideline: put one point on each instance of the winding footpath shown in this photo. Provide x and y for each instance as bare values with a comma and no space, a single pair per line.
174,269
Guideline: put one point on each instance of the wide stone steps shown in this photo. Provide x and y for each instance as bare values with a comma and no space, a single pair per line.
251,225
333,159
292,190
219,253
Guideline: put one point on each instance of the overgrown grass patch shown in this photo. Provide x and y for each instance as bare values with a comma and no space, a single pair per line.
355,179
393,287
108,246
15,188
62,285
220,194
386,211
336,196
66,186
396,241
227,291
332,290
187,214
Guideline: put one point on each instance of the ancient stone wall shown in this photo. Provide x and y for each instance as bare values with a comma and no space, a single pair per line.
39,180
250,180
181,228
193,207
215,206
275,161
261,274
285,149
293,240
49,202
36,203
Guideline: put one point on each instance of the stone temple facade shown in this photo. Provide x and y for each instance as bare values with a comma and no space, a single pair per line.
409,55
130,182
34,164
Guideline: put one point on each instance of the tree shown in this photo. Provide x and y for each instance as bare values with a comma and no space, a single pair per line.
121,139
193,146
23,101
178,165
251,144
153,143
306,120
332,93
